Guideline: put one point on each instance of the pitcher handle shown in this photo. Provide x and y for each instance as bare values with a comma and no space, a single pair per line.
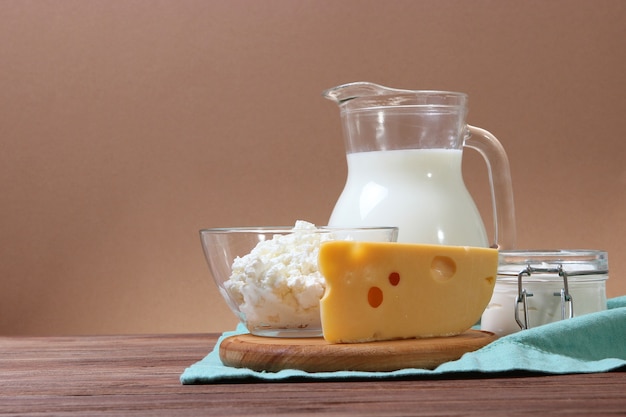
503,208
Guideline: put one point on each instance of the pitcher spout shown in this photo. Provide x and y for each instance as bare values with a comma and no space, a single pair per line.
347,92
363,94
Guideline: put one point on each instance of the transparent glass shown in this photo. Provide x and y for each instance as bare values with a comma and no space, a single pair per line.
404,153
531,291
269,278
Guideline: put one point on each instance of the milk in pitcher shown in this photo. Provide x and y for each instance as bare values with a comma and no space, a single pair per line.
421,191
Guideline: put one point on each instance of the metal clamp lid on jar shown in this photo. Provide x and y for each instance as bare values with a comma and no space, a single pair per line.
597,260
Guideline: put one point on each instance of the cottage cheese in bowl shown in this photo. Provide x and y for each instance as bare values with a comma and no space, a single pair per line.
278,282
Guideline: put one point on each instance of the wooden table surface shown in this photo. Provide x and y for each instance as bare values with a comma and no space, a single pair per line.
139,375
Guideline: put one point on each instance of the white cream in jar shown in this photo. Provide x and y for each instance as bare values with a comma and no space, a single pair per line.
539,287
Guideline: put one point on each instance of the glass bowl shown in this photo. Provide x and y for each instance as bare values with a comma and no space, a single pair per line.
269,275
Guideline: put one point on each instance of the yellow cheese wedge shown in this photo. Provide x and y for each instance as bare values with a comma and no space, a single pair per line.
389,290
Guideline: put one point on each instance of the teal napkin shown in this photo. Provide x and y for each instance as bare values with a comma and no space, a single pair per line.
591,343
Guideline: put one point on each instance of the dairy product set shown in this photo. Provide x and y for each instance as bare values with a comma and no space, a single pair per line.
404,152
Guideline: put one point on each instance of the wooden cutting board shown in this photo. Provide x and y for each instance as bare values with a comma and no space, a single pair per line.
317,355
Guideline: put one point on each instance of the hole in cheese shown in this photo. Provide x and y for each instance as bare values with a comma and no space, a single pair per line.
375,296
394,278
442,268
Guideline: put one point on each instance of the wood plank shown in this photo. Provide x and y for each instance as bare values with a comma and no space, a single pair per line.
139,375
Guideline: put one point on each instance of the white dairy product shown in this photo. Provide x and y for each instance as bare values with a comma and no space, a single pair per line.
419,190
589,296
543,275
278,284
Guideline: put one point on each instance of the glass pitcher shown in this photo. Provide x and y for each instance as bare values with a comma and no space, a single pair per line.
404,152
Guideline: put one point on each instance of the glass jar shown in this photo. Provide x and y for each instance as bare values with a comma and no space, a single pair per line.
538,287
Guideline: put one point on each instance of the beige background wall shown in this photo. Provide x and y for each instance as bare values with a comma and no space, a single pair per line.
126,126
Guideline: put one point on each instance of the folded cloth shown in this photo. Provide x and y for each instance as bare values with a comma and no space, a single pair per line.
591,343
